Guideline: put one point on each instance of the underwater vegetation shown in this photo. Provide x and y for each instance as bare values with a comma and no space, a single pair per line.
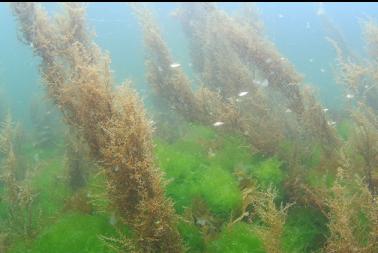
47,127
246,159
113,123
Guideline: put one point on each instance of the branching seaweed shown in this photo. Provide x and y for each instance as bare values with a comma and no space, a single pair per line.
77,77
264,116
18,195
353,216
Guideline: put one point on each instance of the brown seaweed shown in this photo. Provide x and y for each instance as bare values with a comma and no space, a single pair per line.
77,77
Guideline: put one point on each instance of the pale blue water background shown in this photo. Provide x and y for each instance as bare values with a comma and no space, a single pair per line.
293,27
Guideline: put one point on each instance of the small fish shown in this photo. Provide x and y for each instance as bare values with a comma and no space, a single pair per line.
116,168
268,60
160,69
218,123
322,70
349,96
288,110
311,60
331,123
308,25
280,16
175,65
325,110
243,93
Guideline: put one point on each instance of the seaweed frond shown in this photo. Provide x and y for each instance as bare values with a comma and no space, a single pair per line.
77,76
353,216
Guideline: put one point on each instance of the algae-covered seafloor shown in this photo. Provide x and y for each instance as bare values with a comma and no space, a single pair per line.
233,152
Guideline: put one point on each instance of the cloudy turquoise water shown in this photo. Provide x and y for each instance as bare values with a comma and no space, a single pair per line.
295,28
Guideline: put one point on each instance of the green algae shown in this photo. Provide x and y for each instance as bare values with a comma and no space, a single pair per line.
304,231
199,165
72,233
195,167
192,237
344,129
51,187
220,190
269,173
238,238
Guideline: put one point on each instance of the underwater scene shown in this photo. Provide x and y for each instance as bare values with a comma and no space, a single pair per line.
188,127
